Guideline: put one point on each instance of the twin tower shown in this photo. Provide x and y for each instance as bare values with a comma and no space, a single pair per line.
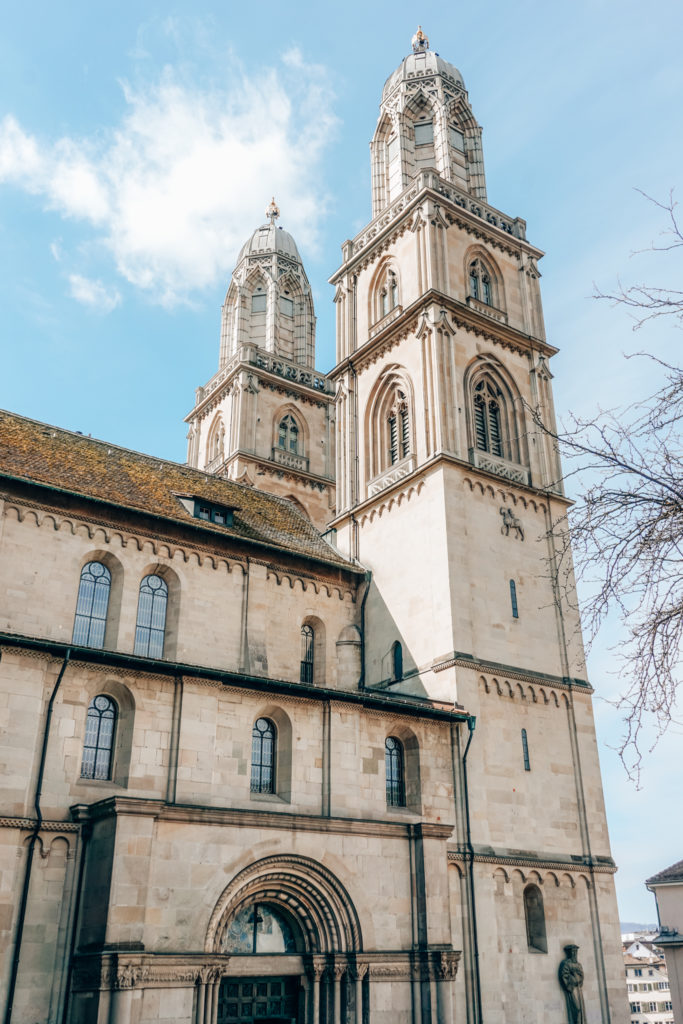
441,354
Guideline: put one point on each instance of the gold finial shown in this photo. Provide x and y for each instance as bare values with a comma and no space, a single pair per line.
420,41
272,211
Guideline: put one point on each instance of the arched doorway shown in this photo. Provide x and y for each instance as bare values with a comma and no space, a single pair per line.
292,936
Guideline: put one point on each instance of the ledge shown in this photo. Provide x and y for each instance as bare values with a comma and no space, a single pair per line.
232,817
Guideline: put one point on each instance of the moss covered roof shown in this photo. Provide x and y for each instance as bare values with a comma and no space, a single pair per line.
79,465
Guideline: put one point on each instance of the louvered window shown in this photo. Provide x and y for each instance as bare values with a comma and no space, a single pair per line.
393,440
405,434
488,434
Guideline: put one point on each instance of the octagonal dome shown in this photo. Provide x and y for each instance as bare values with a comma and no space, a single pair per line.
269,238
426,62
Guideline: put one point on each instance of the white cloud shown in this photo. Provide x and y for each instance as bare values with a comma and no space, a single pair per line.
94,293
179,185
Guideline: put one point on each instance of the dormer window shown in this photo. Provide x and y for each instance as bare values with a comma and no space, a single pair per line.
424,133
210,513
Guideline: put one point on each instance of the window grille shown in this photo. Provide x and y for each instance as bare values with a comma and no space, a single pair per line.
393,759
307,654
258,303
424,133
288,435
513,599
99,738
263,756
151,622
92,604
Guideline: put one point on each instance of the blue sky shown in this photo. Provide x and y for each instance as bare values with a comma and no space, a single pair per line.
140,143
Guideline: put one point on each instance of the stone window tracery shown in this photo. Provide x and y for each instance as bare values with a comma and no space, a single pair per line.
481,282
91,605
288,435
399,429
100,725
151,621
393,760
263,740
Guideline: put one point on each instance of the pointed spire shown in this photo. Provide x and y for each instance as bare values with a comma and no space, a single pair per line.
420,41
272,211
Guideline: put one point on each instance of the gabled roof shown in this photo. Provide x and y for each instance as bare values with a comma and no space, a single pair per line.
670,874
78,465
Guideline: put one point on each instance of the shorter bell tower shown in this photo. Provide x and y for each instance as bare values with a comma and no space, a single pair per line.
266,418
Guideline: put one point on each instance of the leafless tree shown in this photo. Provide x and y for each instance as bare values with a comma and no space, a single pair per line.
627,523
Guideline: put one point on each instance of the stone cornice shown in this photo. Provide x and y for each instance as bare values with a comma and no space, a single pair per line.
422,471
461,316
236,818
454,201
495,668
527,859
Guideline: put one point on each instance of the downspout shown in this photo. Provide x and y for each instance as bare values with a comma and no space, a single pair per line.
86,832
471,724
32,844
361,678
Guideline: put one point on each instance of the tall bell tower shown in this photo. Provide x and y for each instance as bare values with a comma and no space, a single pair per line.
446,492
266,417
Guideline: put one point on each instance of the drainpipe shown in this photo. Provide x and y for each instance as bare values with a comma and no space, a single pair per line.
86,832
361,679
471,725
32,844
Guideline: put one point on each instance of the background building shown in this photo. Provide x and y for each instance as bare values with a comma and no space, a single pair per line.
251,772
667,886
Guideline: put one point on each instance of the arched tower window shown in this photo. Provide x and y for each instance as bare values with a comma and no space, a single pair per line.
384,294
481,286
92,604
535,919
393,760
100,726
151,621
307,654
488,435
288,435
399,429
263,739
216,445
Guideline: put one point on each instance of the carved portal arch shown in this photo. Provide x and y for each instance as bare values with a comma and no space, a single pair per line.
304,890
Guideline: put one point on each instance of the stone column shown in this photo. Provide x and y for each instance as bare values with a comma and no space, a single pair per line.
361,971
446,968
338,972
201,1000
214,1001
317,971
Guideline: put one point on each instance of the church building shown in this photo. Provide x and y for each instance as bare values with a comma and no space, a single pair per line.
300,730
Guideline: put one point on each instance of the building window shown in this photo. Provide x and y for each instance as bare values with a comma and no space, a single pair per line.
635,1008
424,133
668,1006
457,139
263,756
487,419
218,514
307,654
535,919
638,972
258,302
286,306
91,606
388,296
653,1007
399,429
151,622
100,725
396,662
480,283
288,435
525,752
393,759
513,599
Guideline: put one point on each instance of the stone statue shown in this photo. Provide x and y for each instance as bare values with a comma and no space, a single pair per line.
570,974
511,522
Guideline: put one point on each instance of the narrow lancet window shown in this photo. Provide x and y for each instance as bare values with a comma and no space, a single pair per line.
263,756
525,751
307,654
393,759
100,725
535,920
513,599
151,622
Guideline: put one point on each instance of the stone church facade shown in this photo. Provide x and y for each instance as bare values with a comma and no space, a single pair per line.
300,731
